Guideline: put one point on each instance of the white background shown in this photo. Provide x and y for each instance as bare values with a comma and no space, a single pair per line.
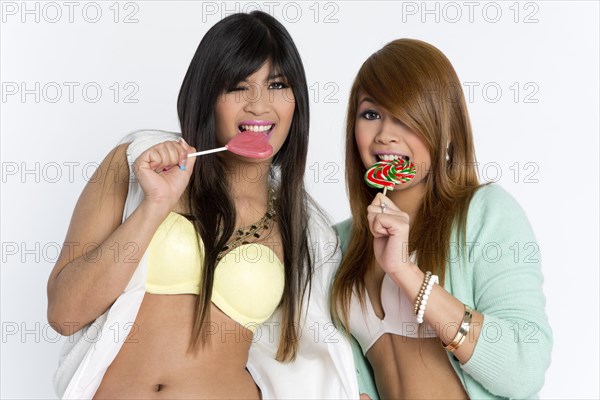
548,50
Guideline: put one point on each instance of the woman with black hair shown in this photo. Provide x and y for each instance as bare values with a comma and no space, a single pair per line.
199,284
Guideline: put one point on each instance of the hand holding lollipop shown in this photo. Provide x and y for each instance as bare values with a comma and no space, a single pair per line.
387,174
390,232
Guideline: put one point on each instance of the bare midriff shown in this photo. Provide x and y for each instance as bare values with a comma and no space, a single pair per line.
407,369
154,362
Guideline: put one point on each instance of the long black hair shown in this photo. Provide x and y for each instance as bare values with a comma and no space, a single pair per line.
231,50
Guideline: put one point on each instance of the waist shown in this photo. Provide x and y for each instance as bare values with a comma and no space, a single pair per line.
403,368
155,360
195,384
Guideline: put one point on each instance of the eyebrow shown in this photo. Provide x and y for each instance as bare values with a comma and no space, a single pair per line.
366,98
272,76
275,75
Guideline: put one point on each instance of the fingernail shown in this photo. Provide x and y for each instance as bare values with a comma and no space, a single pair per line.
181,139
183,163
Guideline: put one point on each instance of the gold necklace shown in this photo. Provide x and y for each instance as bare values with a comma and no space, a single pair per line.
253,230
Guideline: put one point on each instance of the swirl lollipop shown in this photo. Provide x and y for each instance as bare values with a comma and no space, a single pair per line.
387,174
404,170
379,176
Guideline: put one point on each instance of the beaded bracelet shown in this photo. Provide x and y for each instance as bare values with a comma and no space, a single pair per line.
432,281
463,331
421,292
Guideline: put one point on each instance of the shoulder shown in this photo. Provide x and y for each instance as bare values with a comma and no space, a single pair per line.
491,195
492,209
493,201
139,141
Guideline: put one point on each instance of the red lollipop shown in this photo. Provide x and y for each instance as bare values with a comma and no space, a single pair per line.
387,174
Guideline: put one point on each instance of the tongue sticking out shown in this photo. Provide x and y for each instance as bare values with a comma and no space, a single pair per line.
250,144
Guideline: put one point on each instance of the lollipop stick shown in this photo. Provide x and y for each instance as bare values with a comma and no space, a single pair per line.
384,190
201,153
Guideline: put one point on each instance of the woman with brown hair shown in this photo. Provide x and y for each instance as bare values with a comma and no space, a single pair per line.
432,283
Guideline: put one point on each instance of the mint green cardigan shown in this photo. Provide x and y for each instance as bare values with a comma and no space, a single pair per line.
498,274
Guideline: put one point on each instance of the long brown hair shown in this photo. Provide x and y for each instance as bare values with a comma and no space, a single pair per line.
230,51
415,83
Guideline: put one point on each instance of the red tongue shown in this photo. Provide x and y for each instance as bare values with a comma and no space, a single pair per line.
250,144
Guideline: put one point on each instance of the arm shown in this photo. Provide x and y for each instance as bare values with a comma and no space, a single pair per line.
82,285
507,293
444,312
513,351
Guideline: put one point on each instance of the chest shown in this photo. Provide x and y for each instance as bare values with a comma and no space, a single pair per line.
373,284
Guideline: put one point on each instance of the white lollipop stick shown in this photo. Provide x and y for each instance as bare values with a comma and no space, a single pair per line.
201,153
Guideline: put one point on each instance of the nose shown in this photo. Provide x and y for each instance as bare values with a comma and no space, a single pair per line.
388,132
257,100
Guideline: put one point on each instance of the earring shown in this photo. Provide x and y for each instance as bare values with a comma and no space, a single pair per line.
448,152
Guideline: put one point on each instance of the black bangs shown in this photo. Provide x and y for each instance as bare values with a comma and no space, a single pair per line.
241,46
230,51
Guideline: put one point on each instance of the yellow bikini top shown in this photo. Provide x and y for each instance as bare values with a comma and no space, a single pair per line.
248,281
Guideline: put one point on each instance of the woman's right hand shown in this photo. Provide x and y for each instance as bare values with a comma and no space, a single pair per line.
102,250
163,171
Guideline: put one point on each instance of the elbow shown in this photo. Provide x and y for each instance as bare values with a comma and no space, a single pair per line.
536,358
61,322
525,388
528,374
525,381
531,381
513,370
60,318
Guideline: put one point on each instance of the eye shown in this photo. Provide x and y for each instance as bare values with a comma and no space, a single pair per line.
370,115
278,85
237,88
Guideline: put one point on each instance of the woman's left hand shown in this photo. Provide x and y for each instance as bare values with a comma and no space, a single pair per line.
390,227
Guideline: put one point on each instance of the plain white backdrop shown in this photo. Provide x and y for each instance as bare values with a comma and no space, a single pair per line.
77,76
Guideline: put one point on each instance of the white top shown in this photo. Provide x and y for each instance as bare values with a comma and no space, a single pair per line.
399,318
324,366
